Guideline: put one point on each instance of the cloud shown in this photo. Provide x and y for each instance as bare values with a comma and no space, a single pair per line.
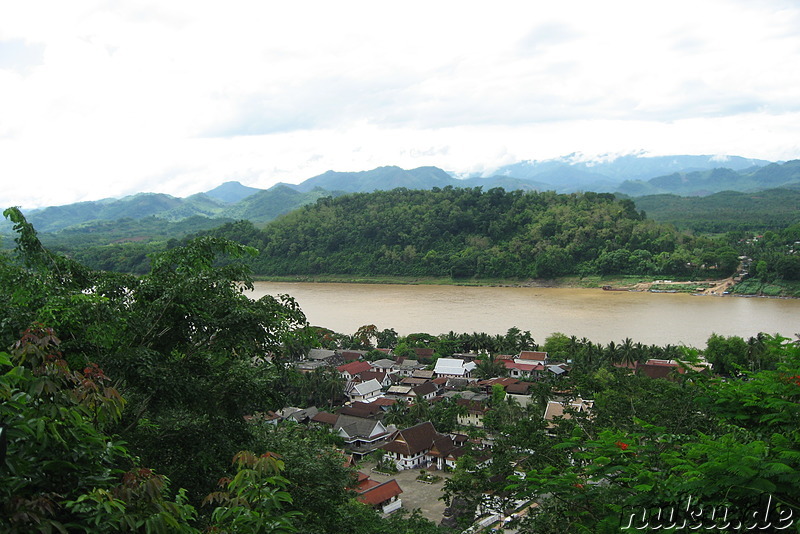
181,96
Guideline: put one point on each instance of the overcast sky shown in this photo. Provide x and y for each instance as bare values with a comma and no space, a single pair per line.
107,98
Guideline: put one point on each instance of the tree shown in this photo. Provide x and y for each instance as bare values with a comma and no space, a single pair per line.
62,471
255,499
184,341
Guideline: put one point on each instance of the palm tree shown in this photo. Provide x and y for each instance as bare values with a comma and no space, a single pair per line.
397,414
489,367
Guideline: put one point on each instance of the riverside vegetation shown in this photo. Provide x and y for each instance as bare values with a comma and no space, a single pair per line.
123,403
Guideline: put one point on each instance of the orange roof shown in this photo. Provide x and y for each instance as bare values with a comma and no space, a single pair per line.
532,355
354,368
381,493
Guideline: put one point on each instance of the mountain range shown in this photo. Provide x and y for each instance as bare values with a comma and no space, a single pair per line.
632,175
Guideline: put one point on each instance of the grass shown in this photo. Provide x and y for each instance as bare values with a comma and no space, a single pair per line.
777,288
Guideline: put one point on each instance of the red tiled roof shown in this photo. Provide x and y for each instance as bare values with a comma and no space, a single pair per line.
354,368
369,375
350,356
361,409
325,417
383,401
381,493
528,367
532,355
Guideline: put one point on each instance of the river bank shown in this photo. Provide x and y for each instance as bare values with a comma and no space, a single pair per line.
726,286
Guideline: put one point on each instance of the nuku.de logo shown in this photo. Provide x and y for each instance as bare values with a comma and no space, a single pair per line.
694,516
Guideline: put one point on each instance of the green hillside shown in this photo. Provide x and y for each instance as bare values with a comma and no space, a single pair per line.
464,233
771,209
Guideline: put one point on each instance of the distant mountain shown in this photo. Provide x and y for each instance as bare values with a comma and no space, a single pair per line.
702,183
628,167
265,205
232,192
633,175
380,179
136,206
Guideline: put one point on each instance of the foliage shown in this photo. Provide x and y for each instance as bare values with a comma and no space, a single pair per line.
62,471
740,450
187,345
253,500
463,233
725,211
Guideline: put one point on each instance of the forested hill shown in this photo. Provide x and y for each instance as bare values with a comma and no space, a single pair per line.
471,233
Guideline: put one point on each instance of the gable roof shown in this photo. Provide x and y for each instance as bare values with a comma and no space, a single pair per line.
422,373
558,409
453,366
320,354
380,376
520,388
360,409
326,418
352,355
383,363
381,493
532,355
425,389
363,388
524,367
413,440
399,390
354,368
354,426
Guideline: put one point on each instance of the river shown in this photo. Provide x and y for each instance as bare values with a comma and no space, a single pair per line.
600,316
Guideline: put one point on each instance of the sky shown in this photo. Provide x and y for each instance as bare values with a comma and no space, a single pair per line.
104,99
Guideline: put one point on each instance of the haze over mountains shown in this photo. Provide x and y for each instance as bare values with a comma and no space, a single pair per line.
633,175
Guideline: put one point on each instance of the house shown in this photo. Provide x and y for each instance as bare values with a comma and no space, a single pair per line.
383,377
384,364
269,417
309,366
425,391
364,391
419,446
523,370
503,382
321,354
667,369
407,367
423,374
413,382
558,370
563,409
401,392
453,368
424,354
520,392
298,415
473,415
531,356
367,410
351,370
325,419
384,497
352,355
361,436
